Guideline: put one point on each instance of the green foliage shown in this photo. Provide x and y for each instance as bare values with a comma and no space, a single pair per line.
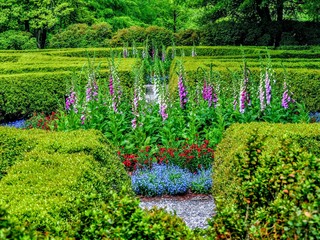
122,218
13,230
158,35
38,81
82,36
17,40
58,170
230,32
265,182
187,37
296,67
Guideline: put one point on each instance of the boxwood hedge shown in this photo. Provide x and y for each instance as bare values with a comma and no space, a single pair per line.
266,182
71,185
50,171
37,81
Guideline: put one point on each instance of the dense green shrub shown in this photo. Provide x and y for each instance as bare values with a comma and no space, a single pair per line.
12,230
156,36
266,179
21,95
122,218
38,82
82,35
17,40
71,185
231,32
58,170
187,37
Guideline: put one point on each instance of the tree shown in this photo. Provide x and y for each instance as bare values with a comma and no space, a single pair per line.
263,12
37,16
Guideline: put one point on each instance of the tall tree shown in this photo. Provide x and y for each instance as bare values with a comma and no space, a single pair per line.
263,12
37,16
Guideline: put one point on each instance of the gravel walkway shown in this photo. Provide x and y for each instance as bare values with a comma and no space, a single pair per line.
193,209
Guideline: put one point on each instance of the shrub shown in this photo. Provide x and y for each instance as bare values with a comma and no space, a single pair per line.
265,182
41,85
52,172
81,35
157,36
122,218
17,40
128,35
187,37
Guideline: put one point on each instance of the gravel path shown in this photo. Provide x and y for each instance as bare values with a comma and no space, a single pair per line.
194,209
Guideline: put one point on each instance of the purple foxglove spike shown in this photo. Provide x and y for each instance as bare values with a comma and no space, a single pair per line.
268,88
82,118
111,89
243,98
182,92
162,111
134,123
261,97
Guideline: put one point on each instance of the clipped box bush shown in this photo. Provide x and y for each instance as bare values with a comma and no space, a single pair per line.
236,52
38,81
72,185
52,172
266,182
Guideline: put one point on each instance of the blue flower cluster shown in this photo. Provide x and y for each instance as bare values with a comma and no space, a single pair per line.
16,124
169,179
315,116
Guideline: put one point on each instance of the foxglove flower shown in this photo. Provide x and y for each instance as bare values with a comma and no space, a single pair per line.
83,118
286,99
71,101
242,100
261,97
111,89
163,113
134,123
268,88
182,92
207,93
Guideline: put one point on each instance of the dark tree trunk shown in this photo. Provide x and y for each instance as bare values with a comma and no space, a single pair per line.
278,35
263,12
41,38
27,26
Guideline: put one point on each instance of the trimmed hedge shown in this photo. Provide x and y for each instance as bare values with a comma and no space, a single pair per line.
266,182
72,185
51,171
249,52
38,81
304,82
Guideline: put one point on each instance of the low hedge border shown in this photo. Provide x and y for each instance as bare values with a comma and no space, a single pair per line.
22,94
